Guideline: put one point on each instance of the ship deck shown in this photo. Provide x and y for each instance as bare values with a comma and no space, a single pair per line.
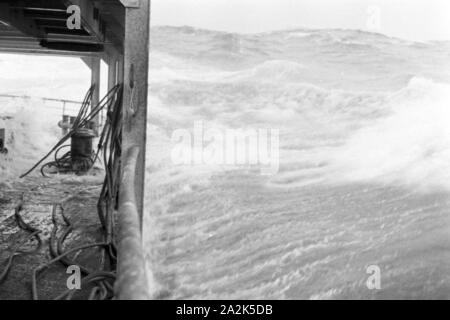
79,196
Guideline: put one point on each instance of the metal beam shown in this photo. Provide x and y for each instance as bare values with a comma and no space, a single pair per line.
131,3
112,72
120,71
42,51
87,61
17,18
89,16
102,24
95,80
113,15
137,21
131,268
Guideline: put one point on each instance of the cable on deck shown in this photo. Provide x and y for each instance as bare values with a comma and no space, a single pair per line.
109,148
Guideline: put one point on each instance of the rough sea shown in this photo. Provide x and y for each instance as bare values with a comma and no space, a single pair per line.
363,177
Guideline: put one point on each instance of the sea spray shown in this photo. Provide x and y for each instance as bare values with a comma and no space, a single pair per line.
362,127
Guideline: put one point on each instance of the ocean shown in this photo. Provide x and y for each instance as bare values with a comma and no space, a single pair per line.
362,175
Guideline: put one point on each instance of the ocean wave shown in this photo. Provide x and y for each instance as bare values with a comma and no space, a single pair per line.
409,145
363,124
28,135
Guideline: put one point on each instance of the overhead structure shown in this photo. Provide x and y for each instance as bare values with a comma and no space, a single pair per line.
116,31
41,26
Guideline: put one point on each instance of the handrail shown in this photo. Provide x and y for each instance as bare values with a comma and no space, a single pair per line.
63,101
40,98
131,283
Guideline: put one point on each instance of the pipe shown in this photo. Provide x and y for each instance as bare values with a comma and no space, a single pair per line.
131,281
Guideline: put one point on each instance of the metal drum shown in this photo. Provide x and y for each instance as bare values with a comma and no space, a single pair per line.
81,149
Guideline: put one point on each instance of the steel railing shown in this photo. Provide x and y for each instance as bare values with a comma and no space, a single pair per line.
63,102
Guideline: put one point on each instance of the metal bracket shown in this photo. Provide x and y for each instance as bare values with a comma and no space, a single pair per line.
131,3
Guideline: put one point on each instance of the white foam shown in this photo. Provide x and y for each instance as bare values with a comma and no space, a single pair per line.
31,130
410,147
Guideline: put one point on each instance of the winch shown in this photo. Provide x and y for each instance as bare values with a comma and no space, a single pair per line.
81,149
81,157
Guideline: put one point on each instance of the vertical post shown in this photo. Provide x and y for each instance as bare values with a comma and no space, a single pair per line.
120,62
95,79
132,280
112,72
136,56
112,75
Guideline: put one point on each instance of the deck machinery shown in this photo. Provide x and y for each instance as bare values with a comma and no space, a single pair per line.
116,31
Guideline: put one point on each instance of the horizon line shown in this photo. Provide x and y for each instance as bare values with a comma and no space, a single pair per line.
297,29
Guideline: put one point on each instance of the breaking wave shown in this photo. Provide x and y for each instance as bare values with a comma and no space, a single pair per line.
29,133
410,146
363,166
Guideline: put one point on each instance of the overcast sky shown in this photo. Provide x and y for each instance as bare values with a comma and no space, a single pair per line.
408,19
